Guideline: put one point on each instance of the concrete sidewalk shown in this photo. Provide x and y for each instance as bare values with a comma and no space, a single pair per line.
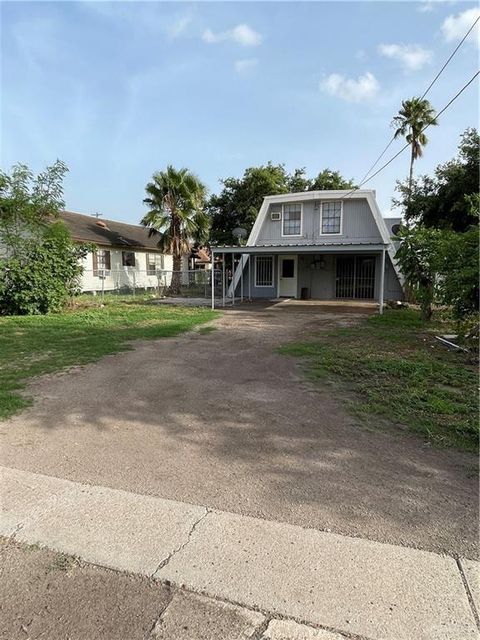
338,583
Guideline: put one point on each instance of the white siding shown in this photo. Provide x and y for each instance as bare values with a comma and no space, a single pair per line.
119,275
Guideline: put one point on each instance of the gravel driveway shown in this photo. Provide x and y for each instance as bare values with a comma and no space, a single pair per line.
221,419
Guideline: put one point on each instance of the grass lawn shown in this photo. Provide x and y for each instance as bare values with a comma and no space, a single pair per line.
391,371
32,345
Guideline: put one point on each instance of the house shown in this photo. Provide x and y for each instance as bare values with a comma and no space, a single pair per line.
200,258
126,257
326,245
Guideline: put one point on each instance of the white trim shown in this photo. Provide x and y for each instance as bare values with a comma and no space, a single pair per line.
305,196
292,235
315,195
295,259
264,286
339,233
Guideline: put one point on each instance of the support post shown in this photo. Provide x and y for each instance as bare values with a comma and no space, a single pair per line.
213,279
249,278
223,278
382,283
241,277
233,279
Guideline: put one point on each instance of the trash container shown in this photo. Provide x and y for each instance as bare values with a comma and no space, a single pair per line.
304,293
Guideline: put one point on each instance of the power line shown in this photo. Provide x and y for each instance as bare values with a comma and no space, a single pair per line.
425,127
362,181
451,56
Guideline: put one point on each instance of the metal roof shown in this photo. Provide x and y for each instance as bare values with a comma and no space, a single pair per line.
319,247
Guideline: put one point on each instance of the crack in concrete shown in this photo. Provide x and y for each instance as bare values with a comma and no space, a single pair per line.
260,630
268,614
166,560
469,594
152,634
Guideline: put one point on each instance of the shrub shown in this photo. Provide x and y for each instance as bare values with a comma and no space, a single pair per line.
43,276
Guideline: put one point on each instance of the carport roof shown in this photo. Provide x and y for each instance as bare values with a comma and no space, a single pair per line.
319,247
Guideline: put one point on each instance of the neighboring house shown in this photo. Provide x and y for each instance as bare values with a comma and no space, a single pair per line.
125,257
200,259
325,245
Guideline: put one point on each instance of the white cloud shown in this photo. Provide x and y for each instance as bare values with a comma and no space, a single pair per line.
244,66
425,6
455,27
179,26
241,34
411,56
363,88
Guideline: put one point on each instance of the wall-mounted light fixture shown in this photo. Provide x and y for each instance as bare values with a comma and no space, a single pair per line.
318,263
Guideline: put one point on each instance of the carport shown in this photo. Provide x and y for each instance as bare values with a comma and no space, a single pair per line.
283,264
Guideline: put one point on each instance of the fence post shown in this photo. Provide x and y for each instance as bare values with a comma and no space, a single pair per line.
213,279
103,285
133,273
223,279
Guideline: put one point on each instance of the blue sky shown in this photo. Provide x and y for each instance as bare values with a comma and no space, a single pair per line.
119,90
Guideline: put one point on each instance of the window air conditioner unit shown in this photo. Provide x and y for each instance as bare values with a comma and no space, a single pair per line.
276,215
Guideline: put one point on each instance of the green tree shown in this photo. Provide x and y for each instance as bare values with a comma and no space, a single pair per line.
240,199
418,260
458,272
28,203
444,200
176,200
44,275
412,118
328,180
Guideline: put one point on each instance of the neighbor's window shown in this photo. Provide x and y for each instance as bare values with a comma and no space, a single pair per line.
292,219
154,262
128,258
101,262
331,217
264,271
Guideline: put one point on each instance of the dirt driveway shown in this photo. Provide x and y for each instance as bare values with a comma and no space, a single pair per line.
221,419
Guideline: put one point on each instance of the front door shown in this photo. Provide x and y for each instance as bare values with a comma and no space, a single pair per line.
287,277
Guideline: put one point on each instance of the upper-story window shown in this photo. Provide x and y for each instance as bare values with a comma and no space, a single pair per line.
292,220
331,218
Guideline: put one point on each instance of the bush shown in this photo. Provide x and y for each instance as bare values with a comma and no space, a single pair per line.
42,277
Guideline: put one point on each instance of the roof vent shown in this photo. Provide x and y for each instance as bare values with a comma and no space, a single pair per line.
100,223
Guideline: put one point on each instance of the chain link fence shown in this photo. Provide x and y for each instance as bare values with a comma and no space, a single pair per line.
160,284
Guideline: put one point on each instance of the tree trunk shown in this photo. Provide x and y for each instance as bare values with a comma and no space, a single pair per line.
410,178
426,292
176,283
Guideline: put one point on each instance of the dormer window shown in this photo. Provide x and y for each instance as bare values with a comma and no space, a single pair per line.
292,220
331,218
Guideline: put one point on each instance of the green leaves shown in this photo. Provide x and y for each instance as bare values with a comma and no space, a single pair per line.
28,202
176,200
448,199
43,277
441,266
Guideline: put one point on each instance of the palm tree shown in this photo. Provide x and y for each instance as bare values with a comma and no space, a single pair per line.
176,198
414,116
